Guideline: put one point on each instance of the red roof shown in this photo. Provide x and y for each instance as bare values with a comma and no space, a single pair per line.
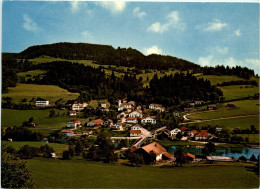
195,132
153,117
203,134
67,131
75,121
131,118
73,111
199,101
98,121
167,154
155,147
132,149
189,155
183,128
96,127
135,131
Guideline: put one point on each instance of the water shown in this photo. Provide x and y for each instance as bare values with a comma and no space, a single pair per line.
233,152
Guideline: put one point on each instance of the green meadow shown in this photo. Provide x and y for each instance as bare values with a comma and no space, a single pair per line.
215,79
58,148
244,107
49,92
53,173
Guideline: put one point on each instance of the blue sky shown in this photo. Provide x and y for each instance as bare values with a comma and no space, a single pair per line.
204,33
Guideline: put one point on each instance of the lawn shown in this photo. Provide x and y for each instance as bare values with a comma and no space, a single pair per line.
49,92
58,148
238,91
244,107
242,123
51,173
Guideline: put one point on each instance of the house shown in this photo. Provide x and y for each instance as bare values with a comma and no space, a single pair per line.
73,112
190,133
136,127
135,133
108,122
166,156
126,105
95,122
176,114
159,151
202,135
157,107
211,107
219,158
73,124
103,105
199,102
189,157
132,103
67,132
148,119
96,127
136,114
173,132
117,126
53,155
192,104
188,109
139,107
131,120
121,101
40,102
79,106
218,129
183,129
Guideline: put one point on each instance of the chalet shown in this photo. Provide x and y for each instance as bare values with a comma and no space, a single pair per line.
131,120
211,107
189,157
40,102
188,109
73,113
202,135
135,133
103,105
136,114
159,151
67,132
95,122
173,132
148,119
157,107
73,124
117,126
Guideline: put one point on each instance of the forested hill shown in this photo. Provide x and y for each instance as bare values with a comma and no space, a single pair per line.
107,55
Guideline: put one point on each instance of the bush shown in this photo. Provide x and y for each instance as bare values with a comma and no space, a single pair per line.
66,155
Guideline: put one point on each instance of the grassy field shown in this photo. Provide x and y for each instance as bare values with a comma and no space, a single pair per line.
253,138
58,148
244,107
31,74
49,92
214,79
51,173
242,123
238,91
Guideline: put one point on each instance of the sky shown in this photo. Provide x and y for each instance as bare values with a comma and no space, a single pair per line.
207,34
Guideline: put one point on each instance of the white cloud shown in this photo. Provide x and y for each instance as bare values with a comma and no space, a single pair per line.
253,63
173,21
153,50
113,6
205,61
223,50
76,6
214,25
137,12
86,34
29,24
237,32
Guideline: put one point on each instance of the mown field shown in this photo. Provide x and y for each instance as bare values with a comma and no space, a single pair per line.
51,173
48,92
244,107
58,148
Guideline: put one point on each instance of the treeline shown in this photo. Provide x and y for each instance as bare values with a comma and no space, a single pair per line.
239,71
238,82
20,134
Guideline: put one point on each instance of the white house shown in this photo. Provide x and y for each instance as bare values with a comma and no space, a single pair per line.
117,126
103,105
95,123
131,120
67,132
174,132
148,119
136,114
157,107
135,133
73,124
78,106
40,102
136,127
176,114
73,112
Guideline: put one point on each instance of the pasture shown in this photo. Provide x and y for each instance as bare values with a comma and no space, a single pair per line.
53,173
48,92
215,79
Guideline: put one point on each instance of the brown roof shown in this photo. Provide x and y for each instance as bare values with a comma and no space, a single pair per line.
73,111
189,155
155,147
67,131
75,121
125,104
131,118
153,117
199,101
183,128
167,154
203,134
98,121
96,127
195,132
135,131
132,149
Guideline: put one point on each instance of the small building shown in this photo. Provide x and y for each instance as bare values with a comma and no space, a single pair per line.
79,106
199,102
73,124
148,119
136,127
131,120
211,107
103,105
218,129
96,127
188,109
183,129
117,126
67,132
136,114
157,107
135,133
173,132
132,103
108,122
176,114
40,102
202,135
95,122
219,158
73,113
189,157
53,155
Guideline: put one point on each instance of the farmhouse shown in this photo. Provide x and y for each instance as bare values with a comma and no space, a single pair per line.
148,119
67,132
131,120
95,123
157,107
136,114
40,102
73,124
